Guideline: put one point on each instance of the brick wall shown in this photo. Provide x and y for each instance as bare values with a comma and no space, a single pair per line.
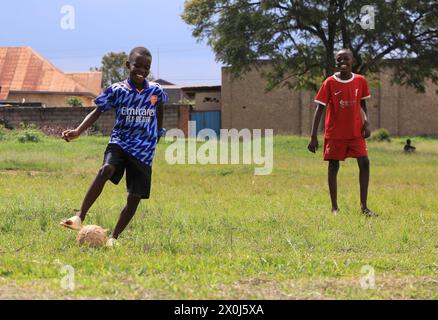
73,116
399,109
50,99
184,118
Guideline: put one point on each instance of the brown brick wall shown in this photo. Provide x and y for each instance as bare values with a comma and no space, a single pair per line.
184,118
399,109
50,99
245,104
73,116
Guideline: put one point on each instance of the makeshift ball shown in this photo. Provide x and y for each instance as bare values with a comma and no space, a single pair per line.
92,236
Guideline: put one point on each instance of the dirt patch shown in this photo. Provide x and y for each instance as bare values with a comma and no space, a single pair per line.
9,290
16,172
384,287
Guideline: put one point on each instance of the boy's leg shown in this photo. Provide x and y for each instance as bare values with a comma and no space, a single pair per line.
333,168
357,148
126,214
138,184
364,177
112,168
104,174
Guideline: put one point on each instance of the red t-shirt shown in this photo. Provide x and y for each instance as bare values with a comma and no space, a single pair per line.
342,98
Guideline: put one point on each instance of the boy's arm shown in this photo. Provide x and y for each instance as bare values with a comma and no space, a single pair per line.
366,126
91,118
160,117
313,145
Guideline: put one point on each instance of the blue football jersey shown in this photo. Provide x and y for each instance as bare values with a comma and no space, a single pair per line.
135,129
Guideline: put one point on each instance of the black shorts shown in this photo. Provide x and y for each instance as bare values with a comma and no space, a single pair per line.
138,174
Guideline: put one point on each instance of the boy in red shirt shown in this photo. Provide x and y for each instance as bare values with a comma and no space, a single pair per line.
346,125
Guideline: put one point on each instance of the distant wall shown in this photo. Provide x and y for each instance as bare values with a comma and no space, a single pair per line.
72,116
50,100
208,101
399,109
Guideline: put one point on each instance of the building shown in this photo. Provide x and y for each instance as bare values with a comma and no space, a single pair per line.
173,91
399,109
203,98
25,76
206,106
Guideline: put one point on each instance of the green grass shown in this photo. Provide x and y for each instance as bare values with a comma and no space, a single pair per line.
218,231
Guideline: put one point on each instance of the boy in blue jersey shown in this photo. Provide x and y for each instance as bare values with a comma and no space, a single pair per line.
139,115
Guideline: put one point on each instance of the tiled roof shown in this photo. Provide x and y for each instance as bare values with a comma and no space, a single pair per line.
90,80
22,69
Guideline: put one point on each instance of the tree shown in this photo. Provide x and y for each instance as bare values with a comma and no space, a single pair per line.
74,101
299,37
114,69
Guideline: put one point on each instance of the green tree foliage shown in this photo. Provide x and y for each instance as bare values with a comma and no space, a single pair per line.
300,37
74,101
113,68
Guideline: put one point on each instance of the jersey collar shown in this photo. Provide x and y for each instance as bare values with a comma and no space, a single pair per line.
131,87
336,76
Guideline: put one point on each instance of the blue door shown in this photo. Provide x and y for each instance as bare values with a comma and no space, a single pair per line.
207,120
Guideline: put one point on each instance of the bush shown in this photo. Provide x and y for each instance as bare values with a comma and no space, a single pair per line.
74,101
4,123
29,136
2,132
380,135
93,130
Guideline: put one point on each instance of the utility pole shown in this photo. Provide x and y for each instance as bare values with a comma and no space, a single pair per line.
158,63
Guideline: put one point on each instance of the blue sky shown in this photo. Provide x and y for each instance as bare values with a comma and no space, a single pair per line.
109,25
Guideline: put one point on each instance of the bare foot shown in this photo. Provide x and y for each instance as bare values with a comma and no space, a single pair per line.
73,223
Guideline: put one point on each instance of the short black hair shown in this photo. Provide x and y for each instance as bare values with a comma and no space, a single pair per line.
346,50
408,141
139,51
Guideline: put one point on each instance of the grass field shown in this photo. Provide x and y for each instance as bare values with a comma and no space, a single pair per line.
218,231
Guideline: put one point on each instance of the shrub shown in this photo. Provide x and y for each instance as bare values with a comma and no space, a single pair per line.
380,135
93,130
74,101
2,132
29,136
4,123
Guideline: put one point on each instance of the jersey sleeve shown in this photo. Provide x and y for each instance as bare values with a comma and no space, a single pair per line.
365,90
323,95
106,100
162,95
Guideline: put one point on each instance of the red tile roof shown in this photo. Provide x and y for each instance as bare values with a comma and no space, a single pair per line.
22,69
90,80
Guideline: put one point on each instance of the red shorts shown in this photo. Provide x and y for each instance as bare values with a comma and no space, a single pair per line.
335,149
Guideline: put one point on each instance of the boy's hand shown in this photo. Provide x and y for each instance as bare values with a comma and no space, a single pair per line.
70,134
366,132
313,145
